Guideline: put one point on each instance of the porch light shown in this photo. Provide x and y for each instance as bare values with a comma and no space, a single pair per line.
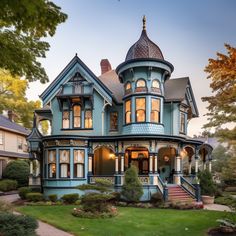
183,153
112,156
166,158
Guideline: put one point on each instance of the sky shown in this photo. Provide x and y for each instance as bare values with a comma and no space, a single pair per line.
188,33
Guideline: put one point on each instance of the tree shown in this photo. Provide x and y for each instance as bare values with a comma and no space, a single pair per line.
13,97
222,105
23,24
132,188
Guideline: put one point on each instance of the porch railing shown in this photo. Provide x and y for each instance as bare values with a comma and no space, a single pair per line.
145,180
190,188
92,179
162,188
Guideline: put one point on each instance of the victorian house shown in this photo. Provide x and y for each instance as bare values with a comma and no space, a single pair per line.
134,115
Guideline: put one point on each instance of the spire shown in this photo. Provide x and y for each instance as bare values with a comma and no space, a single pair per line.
144,22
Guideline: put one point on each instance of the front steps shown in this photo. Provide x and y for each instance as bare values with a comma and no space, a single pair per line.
177,194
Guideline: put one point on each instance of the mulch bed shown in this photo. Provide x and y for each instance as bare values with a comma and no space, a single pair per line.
220,232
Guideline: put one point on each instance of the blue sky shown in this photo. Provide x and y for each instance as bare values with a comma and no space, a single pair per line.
188,32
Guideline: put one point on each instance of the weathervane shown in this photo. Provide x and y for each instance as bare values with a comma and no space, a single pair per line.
144,22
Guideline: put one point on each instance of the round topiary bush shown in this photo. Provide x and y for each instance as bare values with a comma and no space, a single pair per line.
23,191
19,171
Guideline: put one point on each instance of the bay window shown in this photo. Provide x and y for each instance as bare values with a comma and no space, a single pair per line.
78,163
140,109
52,164
88,119
77,116
64,163
155,110
128,112
65,119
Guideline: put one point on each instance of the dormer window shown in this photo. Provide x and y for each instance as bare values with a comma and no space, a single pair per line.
77,116
156,86
128,88
65,119
141,86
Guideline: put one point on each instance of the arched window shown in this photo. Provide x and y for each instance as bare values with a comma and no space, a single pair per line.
155,110
52,163
140,108
64,163
88,119
141,86
77,116
128,112
156,86
128,88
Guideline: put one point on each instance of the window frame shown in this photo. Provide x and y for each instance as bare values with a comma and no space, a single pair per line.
64,163
67,110
50,164
114,112
80,116
129,111
78,163
152,110
156,89
20,143
141,88
1,137
128,91
182,125
86,110
145,111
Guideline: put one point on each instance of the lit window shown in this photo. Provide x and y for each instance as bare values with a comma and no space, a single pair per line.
140,109
65,119
52,163
128,88
77,116
1,137
156,86
20,143
78,163
155,110
88,121
128,112
113,121
182,122
141,83
64,163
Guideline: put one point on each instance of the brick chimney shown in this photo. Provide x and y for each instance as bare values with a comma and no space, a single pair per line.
105,66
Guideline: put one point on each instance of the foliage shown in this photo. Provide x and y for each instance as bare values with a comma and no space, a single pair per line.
13,98
5,207
230,189
101,185
208,187
70,198
157,198
17,170
229,171
8,185
23,191
222,105
185,205
17,225
130,221
52,197
34,197
132,188
23,24
226,200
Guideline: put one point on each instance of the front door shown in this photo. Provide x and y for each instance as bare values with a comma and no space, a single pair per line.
165,173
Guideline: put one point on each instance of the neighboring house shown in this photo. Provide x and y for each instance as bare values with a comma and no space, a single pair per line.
13,143
134,115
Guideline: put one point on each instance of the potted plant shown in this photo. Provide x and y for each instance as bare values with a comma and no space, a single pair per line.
208,187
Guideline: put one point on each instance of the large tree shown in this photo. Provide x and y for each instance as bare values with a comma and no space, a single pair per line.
13,97
222,104
23,24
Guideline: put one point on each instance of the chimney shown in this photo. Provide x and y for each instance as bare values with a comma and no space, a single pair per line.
11,115
105,66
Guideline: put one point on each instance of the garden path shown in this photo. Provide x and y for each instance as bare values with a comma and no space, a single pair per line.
217,207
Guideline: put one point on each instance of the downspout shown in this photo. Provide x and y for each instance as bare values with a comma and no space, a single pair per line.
103,114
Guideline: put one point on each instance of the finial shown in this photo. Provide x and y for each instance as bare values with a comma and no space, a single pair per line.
144,22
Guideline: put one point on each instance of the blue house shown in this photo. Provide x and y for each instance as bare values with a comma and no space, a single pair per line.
134,115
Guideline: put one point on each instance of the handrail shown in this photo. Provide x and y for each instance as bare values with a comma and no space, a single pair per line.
163,188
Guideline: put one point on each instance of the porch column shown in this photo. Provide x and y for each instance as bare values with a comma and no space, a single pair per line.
122,167
37,167
204,165
155,164
178,170
116,164
31,167
196,166
150,164
210,167
190,168
90,164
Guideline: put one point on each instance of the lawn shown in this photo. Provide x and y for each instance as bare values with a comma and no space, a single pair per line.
130,221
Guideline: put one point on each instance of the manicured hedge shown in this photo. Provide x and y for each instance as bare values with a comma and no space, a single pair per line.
34,197
70,198
52,197
23,191
8,185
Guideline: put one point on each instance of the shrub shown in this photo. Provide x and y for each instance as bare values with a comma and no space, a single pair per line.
34,197
208,187
7,185
70,198
157,198
230,189
132,189
52,197
23,191
226,200
19,171
5,206
17,225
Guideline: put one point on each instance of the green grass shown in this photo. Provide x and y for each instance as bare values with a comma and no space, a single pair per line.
130,221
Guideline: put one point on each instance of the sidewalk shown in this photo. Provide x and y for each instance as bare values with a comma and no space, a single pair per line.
43,229
217,207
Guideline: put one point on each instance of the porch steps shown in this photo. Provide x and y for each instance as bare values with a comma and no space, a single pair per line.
177,194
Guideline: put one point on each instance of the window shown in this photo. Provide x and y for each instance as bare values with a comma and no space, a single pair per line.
64,163
155,110
65,119
128,88
128,112
88,120
113,121
141,86
156,86
77,116
1,137
140,106
78,163
52,163
20,143
182,122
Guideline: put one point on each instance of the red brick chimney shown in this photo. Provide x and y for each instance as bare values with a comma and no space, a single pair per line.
105,66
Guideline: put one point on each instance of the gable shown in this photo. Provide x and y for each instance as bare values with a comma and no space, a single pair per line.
75,66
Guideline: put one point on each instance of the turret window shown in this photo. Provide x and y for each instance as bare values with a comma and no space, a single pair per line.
88,121
77,116
65,119
64,163
128,88
156,86
128,112
140,106
141,86
155,110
